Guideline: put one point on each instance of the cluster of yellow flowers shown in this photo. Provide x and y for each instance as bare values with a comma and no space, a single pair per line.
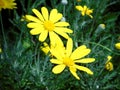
49,25
46,25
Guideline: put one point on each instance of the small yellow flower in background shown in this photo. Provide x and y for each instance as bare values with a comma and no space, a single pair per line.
102,26
64,57
79,0
45,24
0,50
117,45
109,65
7,4
85,10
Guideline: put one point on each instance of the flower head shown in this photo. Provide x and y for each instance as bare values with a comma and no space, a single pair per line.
7,4
45,24
0,50
66,58
117,45
85,10
109,65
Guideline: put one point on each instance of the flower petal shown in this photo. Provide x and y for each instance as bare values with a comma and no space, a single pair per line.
61,24
63,29
43,35
73,71
56,52
69,47
80,8
58,69
54,39
38,14
56,61
55,16
34,25
85,60
85,69
35,31
32,18
80,52
45,13
61,33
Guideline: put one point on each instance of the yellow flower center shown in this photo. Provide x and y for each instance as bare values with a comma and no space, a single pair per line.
48,25
2,3
68,61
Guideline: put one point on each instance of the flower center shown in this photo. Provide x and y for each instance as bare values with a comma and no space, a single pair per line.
68,61
48,25
2,3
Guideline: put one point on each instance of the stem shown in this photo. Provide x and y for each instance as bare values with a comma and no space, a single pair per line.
3,33
4,38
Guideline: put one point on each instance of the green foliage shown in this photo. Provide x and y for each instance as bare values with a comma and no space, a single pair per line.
24,66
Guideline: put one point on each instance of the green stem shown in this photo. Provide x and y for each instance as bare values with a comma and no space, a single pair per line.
3,33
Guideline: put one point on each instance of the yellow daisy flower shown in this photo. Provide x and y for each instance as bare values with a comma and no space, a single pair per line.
7,4
45,24
0,50
109,65
66,58
117,45
85,10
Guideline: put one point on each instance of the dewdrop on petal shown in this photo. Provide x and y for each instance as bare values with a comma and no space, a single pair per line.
64,2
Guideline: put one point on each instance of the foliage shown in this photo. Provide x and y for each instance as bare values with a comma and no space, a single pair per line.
24,66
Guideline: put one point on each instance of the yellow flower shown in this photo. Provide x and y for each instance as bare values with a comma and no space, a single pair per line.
7,4
117,45
109,65
79,0
0,50
85,10
45,24
66,58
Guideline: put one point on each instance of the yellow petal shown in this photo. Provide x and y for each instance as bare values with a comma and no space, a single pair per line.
80,8
34,25
91,16
35,31
80,52
43,35
62,29
45,13
109,58
73,71
56,54
56,61
85,69
32,18
69,47
58,69
38,14
60,24
54,39
62,33
117,45
86,60
55,16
